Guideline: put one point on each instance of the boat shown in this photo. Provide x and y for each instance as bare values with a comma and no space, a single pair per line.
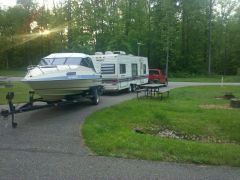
61,76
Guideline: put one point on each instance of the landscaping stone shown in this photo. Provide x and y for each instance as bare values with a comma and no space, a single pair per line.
235,103
228,95
167,133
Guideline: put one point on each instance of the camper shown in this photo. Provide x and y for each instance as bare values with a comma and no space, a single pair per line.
120,71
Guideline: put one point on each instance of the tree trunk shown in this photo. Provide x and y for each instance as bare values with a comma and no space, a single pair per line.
210,37
69,19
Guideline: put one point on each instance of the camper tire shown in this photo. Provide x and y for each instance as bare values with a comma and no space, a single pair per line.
96,98
129,89
133,87
166,83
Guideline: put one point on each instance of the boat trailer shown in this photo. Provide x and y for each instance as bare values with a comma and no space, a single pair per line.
30,106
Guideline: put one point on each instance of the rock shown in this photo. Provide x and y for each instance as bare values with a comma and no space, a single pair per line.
137,130
228,95
235,103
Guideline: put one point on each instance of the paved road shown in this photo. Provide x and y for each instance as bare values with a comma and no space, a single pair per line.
6,78
48,145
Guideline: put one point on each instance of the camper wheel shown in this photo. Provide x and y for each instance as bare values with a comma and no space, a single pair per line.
95,99
166,83
133,87
129,89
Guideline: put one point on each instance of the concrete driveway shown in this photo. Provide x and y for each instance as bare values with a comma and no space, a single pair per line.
48,145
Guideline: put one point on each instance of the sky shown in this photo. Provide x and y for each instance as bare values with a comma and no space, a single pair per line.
7,3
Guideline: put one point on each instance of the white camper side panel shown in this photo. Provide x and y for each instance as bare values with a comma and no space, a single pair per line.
124,67
144,70
128,71
107,66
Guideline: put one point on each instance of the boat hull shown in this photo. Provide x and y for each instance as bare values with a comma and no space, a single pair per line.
54,90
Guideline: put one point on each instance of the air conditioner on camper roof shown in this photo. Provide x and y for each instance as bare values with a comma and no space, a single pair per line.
98,53
108,52
119,52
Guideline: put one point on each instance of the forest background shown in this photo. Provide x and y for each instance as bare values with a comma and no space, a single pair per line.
186,36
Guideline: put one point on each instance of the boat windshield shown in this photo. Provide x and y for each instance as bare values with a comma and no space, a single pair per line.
87,62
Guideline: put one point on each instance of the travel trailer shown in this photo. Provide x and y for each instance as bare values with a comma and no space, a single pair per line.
120,71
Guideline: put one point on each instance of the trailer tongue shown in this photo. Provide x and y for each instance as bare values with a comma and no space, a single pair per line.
40,103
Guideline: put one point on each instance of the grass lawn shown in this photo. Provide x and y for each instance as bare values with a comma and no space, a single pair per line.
12,72
215,78
190,112
20,90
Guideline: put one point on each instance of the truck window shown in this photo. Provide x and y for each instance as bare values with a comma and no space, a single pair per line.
107,68
153,72
134,70
122,68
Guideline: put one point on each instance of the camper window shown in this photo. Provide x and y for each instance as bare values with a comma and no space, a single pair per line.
108,68
122,68
134,70
144,69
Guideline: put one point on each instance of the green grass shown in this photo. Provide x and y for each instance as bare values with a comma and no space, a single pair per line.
20,90
12,72
109,132
215,78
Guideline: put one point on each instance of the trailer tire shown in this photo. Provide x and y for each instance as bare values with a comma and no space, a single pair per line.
96,98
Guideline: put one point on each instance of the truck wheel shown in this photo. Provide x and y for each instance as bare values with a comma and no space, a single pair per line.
95,99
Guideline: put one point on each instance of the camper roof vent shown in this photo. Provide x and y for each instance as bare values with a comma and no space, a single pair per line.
119,52
98,53
108,52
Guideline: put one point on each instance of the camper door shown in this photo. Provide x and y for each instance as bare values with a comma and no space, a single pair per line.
143,71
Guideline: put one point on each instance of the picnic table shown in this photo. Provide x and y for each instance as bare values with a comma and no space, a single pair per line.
151,90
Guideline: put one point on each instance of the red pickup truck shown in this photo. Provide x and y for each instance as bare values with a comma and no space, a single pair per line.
157,76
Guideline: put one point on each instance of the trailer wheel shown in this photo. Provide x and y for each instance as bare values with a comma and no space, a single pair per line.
95,99
128,90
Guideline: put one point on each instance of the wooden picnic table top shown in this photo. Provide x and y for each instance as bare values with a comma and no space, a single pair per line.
152,85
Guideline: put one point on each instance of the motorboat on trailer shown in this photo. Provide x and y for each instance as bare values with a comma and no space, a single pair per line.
62,76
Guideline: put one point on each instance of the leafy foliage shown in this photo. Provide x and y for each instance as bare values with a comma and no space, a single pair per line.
174,29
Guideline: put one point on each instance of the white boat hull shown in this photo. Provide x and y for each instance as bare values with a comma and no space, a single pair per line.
60,89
